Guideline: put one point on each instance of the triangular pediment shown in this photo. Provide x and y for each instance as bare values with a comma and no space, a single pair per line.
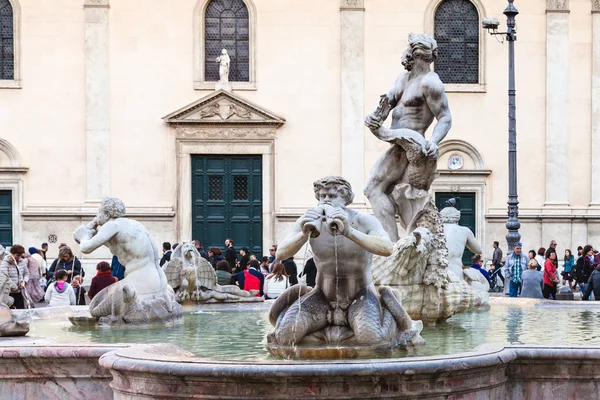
224,108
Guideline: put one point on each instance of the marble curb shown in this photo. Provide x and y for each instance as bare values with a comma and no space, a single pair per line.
160,359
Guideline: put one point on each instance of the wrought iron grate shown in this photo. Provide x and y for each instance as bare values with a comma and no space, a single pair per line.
227,27
240,188
215,187
457,34
7,58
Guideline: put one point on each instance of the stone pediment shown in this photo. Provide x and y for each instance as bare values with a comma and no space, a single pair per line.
222,109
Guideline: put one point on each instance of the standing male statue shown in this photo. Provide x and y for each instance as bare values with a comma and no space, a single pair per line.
400,179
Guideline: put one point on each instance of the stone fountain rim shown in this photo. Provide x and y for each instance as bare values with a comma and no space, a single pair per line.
138,359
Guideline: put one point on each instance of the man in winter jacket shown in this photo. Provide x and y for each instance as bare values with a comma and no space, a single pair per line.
593,285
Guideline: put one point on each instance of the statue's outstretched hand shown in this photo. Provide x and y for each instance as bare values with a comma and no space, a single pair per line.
342,216
83,233
373,122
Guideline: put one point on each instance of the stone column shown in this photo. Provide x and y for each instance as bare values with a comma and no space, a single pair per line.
595,103
557,103
97,114
352,93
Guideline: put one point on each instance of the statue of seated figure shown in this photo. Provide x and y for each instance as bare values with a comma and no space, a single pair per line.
143,296
344,307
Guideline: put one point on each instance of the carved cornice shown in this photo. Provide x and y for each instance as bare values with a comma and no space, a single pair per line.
557,5
228,133
352,5
224,109
96,4
596,6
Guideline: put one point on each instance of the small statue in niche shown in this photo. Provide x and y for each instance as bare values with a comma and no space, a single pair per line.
224,62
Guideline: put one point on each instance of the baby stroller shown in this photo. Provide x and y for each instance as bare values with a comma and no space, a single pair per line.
496,284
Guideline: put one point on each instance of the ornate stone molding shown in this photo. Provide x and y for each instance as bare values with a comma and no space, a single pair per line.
352,5
557,5
96,3
236,133
595,6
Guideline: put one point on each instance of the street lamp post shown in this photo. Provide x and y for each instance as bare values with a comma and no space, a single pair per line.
513,224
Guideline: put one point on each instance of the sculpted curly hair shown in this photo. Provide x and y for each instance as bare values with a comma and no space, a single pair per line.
423,46
114,207
338,183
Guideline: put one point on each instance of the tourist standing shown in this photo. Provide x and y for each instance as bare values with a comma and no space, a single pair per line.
291,270
103,279
476,263
532,255
67,261
584,268
230,253
117,269
568,265
44,251
579,251
515,265
272,252
32,287
533,281
551,247
244,260
79,290
13,266
223,273
166,256
277,282
310,272
550,278
593,285
60,293
216,255
35,253
198,246
540,257
497,261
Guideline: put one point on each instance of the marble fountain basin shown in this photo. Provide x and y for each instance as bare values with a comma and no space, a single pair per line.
521,348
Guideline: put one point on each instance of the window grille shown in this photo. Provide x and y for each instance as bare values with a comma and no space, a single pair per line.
457,35
227,27
7,58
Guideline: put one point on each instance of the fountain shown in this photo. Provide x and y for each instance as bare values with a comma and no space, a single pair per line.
218,349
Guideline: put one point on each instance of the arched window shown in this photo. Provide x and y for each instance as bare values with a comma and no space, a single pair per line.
226,27
7,47
457,33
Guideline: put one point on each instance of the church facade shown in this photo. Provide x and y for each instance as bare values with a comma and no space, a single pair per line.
117,98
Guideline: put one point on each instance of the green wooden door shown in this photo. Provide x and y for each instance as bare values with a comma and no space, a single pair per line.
227,201
6,227
466,206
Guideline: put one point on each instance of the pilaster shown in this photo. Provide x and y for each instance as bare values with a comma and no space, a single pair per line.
352,94
97,113
557,99
595,144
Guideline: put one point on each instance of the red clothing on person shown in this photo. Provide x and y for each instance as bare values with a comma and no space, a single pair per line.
251,282
100,281
549,272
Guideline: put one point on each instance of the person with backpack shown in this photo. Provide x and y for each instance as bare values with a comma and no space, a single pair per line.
250,279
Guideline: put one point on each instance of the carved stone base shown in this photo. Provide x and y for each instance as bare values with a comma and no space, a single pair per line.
11,324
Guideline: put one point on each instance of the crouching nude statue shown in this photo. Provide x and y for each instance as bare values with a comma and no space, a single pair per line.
344,308
187,264
143,296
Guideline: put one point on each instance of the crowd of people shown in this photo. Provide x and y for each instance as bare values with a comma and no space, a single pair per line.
32,282
536,275
267,275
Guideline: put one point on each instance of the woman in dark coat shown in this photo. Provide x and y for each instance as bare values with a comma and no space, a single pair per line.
103,279
584,268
